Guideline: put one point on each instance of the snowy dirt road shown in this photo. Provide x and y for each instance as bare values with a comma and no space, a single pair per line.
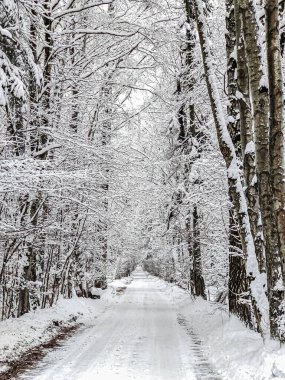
140,337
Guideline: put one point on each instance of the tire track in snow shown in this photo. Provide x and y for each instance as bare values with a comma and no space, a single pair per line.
201,365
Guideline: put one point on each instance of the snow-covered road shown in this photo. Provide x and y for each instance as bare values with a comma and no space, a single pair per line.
140,337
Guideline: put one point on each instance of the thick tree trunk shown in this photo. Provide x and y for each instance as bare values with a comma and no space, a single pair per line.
260,107
234,180
232,108
276,119
247,142
190,133
239,284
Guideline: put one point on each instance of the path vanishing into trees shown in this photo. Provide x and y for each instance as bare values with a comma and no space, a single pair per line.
140,337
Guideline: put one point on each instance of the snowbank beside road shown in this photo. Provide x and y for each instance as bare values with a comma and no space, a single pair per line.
119,286
237,352
18,335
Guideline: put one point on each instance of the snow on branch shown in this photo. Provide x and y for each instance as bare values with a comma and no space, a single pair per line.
46,149
101,31
82,8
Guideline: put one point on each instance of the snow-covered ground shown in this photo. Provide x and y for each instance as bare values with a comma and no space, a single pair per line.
152,331
36,328
139,337
237,352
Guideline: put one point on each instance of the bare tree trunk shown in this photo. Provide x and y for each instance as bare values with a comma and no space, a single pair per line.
187,134
239,284
232,108
234,180
199,284
276,117
247,142
260,107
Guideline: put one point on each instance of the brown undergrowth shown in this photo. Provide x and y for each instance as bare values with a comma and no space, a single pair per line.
32,356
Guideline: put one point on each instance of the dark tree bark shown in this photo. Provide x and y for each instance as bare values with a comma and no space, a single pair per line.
234,180
276,117
260,106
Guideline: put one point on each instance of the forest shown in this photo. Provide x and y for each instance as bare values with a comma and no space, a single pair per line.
143,132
